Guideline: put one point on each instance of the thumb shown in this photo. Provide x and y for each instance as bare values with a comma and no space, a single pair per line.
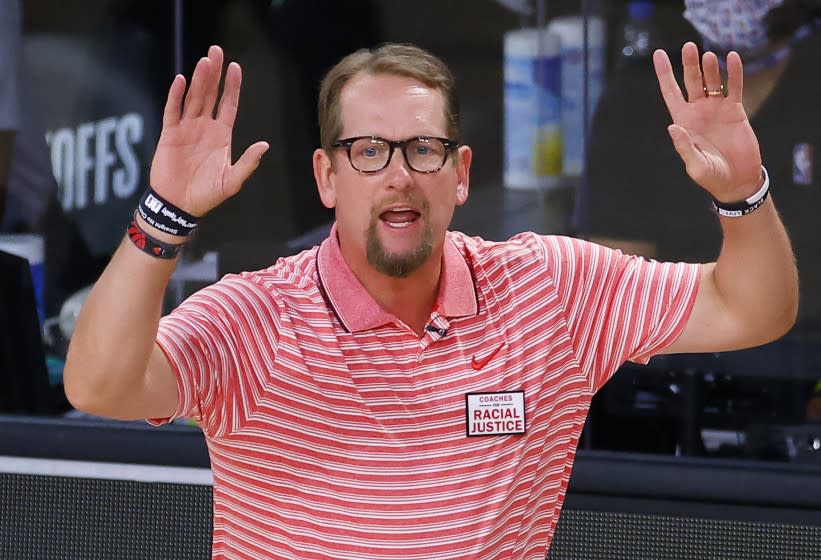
245,165
683,143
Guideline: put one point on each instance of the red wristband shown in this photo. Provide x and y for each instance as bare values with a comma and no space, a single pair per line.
147,244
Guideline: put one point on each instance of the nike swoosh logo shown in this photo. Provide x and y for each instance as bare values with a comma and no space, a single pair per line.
479,364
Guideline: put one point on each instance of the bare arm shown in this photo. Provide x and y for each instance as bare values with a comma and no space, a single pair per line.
114,368
749,296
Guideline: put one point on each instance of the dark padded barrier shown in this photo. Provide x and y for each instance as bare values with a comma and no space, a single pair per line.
67,518
619,506
594,535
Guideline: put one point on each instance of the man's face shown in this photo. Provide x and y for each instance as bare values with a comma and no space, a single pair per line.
396,218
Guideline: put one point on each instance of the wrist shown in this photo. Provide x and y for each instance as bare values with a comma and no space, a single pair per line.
158,234
144,240
164,216
747,205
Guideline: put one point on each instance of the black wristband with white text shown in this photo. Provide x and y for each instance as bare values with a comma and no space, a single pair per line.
164,216
748,205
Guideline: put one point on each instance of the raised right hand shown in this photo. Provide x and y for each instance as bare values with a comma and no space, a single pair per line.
711,133
192,164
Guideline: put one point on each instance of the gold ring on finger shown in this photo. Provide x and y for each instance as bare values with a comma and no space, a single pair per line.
714,92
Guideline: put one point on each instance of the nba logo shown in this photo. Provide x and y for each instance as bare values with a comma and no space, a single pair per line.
802,164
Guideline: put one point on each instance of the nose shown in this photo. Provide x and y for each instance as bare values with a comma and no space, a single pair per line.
398,173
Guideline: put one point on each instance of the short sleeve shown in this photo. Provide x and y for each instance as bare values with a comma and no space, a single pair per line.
618,307
211,341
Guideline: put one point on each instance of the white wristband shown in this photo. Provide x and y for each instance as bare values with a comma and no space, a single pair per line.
748,205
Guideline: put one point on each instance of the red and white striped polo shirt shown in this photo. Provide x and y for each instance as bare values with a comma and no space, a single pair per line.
335,432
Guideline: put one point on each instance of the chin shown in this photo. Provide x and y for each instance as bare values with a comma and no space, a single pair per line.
399,264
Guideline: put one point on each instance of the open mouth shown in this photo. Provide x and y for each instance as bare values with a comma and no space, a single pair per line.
399,217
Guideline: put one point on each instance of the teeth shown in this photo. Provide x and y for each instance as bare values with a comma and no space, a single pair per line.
398,224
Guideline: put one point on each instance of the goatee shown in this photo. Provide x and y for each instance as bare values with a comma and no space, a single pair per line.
397,265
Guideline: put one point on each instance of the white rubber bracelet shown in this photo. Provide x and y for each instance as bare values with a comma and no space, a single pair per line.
750,204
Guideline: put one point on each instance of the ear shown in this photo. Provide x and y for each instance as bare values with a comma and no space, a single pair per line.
463,174
325,176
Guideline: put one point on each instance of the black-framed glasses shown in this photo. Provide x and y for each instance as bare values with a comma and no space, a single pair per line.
423,154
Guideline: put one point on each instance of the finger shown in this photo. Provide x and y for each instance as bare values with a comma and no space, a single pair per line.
670,90
245,165
692,72
212,88
712,79
230,95
735,77
173,105
686,148
196,91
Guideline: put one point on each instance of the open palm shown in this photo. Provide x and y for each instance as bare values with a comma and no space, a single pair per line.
711,132
192,165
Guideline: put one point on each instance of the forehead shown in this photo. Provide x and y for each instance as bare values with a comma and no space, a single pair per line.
395,107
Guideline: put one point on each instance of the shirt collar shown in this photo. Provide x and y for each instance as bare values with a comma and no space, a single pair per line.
356,308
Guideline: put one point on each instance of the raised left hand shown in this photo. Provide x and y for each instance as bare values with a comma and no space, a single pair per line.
711,132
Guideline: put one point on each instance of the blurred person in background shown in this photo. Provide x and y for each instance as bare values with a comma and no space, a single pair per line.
9,96
27,184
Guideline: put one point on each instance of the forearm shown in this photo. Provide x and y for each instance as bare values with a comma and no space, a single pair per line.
115,332
755,275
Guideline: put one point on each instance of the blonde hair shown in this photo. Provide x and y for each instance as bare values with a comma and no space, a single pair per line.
393,59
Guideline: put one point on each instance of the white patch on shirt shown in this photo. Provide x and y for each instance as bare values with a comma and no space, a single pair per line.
495,414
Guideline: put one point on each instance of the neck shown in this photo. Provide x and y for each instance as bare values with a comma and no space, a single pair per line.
409,299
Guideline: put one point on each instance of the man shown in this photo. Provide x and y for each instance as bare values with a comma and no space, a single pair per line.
403,391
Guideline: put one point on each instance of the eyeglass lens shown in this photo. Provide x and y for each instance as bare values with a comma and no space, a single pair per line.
422,154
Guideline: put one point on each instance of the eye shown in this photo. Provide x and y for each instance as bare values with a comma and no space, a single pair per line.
369,149
427,148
